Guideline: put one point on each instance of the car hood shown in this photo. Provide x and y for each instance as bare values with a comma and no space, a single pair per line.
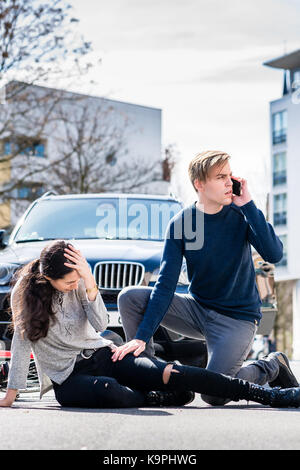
147,252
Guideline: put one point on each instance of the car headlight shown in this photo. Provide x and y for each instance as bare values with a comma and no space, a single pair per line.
6,272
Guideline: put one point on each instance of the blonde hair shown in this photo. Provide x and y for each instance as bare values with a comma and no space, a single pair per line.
202,163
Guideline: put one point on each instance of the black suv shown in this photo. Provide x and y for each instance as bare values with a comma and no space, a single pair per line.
121,236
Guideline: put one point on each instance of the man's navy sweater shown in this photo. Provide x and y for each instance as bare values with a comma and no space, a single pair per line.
221,273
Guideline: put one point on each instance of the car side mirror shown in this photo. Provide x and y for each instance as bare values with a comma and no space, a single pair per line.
2,239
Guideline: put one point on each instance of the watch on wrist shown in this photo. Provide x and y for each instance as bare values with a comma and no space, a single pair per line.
92,289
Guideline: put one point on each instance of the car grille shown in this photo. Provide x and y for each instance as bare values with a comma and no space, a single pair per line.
110,297
117,275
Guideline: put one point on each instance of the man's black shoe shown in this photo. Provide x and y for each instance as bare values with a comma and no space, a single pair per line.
275,397
285,378
169,398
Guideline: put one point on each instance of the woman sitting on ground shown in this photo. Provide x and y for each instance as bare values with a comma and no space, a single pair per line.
58,313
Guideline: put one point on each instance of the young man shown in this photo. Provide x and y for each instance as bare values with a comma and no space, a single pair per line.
223,302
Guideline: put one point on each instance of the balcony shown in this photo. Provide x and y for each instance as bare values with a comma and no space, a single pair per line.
279,177
283,261
279,137
280,218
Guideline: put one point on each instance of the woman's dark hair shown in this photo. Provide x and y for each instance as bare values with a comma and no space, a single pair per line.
32,310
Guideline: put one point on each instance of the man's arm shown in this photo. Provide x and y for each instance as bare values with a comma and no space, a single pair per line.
161,296
261,234
163,291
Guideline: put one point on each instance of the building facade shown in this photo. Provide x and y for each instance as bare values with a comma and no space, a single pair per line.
110,145
284,203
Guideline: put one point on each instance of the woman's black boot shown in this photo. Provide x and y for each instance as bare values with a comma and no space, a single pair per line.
169,398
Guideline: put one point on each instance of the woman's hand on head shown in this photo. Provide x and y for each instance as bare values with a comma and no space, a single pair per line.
77,261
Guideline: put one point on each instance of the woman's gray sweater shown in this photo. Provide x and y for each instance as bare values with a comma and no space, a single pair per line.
77,327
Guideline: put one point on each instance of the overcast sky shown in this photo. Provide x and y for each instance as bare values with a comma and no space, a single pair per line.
200,61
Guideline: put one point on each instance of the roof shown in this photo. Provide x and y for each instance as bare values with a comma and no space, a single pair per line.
287,62
110,195
83,95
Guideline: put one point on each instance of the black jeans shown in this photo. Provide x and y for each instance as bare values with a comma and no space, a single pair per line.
99,382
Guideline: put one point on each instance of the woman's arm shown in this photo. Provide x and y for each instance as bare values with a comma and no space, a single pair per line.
79,263
20,352
93,302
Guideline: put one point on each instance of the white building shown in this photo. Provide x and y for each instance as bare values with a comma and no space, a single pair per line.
285,187
132,133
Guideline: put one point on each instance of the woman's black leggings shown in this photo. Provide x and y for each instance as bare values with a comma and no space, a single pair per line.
99,382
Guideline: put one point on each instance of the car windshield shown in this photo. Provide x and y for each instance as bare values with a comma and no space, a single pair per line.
87,218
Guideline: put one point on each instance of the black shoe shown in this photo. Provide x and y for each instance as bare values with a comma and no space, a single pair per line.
275,397
3,374
285,378
169,398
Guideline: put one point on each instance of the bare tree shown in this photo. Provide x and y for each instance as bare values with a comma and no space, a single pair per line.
169,161
39,43
36,38
93,154
25,125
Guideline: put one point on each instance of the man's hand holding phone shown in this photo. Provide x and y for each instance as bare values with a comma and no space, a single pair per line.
244,197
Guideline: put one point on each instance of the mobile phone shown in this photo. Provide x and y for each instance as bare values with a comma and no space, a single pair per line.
236,187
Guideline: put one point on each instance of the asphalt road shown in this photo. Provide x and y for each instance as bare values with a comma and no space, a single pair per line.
41,424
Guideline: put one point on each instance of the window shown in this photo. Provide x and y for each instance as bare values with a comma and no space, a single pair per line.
106,218
296,79
34,149
30,192
283,261
279,168
22,146
280,209
279,127
7,148
111,158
